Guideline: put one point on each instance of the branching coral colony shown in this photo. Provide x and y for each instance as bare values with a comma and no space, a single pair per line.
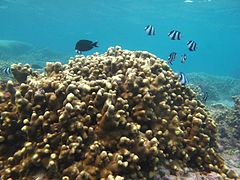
119,115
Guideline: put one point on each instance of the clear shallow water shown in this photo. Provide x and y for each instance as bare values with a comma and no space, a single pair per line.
57,25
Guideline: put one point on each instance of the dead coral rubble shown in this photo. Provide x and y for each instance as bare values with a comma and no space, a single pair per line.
119,115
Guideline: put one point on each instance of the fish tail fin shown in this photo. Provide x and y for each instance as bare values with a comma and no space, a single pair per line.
95,44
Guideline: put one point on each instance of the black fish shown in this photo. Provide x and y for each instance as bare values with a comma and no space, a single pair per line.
172,57
6,70
182,78
84,45
150,30
192,45
183,58
174,35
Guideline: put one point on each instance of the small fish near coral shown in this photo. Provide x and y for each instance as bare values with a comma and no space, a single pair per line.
192,45
182,78
175,35
5,71
150,30
183,58
172,57
84,45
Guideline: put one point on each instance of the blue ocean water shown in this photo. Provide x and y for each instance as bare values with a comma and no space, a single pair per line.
58,25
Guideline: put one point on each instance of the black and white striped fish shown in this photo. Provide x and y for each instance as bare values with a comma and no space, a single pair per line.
182,78
172,57
150,30
174,35
183,58
6,70
192,45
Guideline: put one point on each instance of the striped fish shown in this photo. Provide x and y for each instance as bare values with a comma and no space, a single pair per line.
183,58
174,35
6,70
172,57
182,78
192,45
150,30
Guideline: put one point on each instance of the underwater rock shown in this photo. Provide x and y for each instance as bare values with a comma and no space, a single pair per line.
119,115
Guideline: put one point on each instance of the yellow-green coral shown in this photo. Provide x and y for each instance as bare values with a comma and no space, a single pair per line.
122,114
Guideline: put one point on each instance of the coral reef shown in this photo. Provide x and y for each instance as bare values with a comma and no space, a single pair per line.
219,88
20,72
14,48
228,123
21,52
198,91
120,115
191,176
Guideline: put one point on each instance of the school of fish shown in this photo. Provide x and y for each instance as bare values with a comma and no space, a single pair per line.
86,45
